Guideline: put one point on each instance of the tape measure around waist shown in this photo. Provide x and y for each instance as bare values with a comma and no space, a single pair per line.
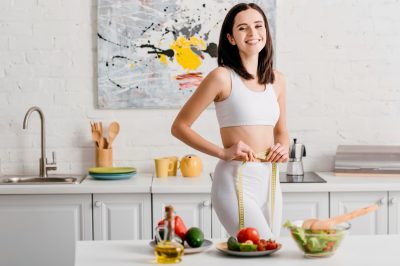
239,191
273,190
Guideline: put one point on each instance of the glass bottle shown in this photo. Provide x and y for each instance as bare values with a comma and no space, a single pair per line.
168,250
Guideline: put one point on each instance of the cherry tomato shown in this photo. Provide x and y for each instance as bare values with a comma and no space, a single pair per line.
271,244
260,246
248,233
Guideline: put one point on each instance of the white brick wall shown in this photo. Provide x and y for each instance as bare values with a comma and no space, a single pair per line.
340,58
341,61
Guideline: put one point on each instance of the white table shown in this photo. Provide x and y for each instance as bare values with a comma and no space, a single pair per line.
379,250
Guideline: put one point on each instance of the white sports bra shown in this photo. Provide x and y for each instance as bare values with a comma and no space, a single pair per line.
246,107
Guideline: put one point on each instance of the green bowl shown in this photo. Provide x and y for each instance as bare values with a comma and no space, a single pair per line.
321,243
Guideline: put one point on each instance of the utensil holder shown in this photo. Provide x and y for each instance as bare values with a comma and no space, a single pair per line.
104,157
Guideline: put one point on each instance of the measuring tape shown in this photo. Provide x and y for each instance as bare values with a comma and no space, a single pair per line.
239,191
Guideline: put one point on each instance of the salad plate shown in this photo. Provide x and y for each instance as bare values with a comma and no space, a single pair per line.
189,250
223,247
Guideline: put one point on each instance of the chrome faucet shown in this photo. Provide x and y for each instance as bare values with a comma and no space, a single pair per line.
43,165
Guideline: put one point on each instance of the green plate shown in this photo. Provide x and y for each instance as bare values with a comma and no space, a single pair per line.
111,170
112,176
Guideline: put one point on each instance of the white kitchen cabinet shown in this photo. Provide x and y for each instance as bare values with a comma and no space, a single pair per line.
43,229
195,209
302,205
122,216
372,223
394,212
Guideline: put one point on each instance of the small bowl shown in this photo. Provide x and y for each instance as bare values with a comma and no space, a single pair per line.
317,244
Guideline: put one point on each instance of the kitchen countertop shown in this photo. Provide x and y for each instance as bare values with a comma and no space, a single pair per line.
144,183
140,183
334,183
355,250
346,183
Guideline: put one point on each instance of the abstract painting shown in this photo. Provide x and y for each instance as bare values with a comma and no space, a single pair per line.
155,53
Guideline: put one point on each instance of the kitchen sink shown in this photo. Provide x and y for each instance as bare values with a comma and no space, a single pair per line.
36,180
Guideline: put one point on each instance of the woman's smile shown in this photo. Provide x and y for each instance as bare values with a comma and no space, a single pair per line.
253,41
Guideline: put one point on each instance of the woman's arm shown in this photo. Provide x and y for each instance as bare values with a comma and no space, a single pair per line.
207,92
280,150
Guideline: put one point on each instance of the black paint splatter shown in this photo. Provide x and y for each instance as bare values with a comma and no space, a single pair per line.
212,49
115,83
120,57
101,37
170,53
146,29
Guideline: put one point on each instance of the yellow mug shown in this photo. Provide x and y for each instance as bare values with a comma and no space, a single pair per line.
162,166
173,165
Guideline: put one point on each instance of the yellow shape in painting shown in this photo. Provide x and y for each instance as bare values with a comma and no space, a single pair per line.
163,59
184,54
131,65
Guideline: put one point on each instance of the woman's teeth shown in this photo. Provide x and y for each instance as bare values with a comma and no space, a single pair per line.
252,41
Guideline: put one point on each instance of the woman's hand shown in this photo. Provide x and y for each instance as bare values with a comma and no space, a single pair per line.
239,151
278,154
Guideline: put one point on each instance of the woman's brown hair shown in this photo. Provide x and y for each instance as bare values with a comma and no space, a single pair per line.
228,54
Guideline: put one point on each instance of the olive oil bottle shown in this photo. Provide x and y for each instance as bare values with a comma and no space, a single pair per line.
168,250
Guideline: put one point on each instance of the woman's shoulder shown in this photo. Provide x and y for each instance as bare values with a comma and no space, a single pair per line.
280,80
218,81
219,76
279,77
279,83
220,73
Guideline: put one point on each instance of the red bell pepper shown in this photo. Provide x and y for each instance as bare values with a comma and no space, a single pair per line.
179,227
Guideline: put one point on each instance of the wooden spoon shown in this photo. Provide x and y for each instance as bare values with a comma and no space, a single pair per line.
96,137
113,131
100,129
316,224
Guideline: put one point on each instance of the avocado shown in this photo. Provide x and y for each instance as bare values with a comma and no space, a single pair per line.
194,237
233,244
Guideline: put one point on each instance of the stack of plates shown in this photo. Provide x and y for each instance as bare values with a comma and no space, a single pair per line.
112,173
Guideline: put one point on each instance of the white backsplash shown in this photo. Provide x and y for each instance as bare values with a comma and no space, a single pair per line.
340,58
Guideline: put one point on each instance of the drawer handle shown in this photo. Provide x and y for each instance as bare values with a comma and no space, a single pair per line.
207,203
97,204
394,201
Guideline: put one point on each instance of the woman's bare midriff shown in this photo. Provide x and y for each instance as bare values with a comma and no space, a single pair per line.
258,137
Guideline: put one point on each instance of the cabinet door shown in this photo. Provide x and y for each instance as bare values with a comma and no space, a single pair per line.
300,206
394,212
43,229
121,216
370,224
195,209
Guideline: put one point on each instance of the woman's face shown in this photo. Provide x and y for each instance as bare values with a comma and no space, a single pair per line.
248,32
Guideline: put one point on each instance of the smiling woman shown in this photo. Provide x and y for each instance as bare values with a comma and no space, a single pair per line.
249,98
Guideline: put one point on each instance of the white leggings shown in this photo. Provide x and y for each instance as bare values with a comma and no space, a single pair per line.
256,180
